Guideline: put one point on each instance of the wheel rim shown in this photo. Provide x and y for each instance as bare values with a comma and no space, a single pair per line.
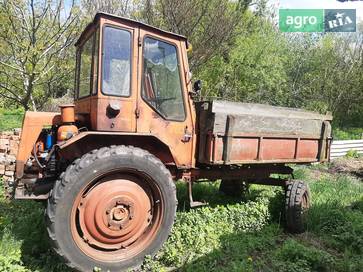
305,205
116,217
305,202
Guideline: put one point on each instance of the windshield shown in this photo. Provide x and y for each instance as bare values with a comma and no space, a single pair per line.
116,63
161,86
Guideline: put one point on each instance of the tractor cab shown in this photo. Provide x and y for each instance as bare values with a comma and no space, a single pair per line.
132,86
127,70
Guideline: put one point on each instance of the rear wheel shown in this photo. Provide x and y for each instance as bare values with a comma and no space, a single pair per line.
111,208
297,204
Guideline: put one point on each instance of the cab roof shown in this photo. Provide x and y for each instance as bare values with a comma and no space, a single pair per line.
127,20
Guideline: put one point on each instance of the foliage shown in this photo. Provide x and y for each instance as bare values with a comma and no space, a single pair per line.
10,119
294,256
35,56
242,56
194,19
352,154
254,70
227,235
267,66
348,133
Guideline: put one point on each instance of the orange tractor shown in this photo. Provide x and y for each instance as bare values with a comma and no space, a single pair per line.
107,165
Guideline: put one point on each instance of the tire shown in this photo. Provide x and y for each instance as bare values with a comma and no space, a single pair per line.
233,187
110,209
297,195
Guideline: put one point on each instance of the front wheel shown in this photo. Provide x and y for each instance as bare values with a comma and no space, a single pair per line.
111,208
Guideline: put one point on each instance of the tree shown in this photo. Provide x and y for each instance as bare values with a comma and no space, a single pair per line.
118,7
254,68
34,56
325,74
210,25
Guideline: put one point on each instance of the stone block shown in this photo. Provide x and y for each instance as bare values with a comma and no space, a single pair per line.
10,167
13,151
17,131
11,158
9,173
15,138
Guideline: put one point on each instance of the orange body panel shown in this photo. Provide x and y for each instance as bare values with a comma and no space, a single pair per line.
135,115
170,132
33,124
262,150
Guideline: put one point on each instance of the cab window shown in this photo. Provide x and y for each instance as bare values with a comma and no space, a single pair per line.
85,68
161,86
116,63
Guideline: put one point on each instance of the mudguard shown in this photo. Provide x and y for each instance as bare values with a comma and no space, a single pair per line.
33,123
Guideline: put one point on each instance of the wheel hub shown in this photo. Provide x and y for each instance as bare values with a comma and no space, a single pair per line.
119,213
114,214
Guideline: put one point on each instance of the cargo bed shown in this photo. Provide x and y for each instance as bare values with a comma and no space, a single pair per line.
241,133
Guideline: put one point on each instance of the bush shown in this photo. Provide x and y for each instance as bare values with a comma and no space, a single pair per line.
198,232
352,154
347,133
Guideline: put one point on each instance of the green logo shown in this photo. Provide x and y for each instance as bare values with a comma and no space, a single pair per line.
301,20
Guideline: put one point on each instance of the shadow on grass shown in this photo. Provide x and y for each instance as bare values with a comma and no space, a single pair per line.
209,192
24,221
334,242
239,252
336,228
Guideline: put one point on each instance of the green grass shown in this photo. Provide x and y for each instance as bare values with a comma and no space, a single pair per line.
10,119
227,235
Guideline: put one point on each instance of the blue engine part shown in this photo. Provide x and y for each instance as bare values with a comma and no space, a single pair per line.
49,141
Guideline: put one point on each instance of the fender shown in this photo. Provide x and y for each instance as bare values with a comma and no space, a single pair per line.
33,123
87,141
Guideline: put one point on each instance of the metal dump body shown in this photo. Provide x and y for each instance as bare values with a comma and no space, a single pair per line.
240,133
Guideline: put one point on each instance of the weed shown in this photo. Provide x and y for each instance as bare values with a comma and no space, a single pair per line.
230,234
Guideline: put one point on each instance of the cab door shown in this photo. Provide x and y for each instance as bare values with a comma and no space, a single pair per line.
163,106
116,103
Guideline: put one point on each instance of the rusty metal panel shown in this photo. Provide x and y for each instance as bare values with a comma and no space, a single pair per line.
33,124
171,133
308,149
275,149
235,133
269,125
239,108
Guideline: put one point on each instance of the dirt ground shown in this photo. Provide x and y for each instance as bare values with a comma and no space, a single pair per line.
353,166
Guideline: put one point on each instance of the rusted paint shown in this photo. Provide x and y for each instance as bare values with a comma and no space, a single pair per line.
169,132
257,136
263,150
260,134
67,113
33,124
116,217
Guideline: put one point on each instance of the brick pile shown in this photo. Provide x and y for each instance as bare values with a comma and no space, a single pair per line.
9,142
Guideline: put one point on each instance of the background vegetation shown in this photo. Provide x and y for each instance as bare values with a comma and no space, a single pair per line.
229,235
241,56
